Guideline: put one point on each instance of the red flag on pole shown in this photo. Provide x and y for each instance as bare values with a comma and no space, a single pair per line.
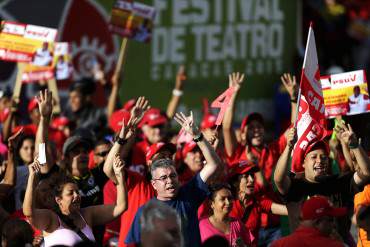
311,111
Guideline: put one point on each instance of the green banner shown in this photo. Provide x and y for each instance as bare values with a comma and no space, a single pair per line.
212,38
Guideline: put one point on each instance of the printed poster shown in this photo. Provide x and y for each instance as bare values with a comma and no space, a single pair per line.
26,43
132,20
345,93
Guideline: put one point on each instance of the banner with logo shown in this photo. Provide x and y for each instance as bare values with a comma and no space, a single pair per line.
26,43
132,20
311,113
345,93
60,67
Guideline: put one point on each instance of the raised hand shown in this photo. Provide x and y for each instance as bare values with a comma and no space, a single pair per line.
180,77
290,85
348,136
235,80
118,165
45,102
35,167
187,123
138,111
12,140
291,137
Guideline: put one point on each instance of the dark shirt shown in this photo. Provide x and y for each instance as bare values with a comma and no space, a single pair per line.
91,187
186,204
89,117
340,189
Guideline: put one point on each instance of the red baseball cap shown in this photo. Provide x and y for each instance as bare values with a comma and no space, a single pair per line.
188,147
317,145
32,104
242,167
59,122
153,117
208,122
155,148
319,206
253,116
115,120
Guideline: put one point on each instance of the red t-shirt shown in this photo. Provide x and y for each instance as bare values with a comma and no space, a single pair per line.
138,161
307,236
139,192
255,207
267,157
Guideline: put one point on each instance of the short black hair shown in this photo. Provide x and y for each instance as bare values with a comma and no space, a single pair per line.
85,86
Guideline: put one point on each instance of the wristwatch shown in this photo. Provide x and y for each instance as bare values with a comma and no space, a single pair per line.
120,140
198,138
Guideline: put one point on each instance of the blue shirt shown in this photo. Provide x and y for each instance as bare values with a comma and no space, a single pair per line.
186,204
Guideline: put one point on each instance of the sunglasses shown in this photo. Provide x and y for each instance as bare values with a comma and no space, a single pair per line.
102,154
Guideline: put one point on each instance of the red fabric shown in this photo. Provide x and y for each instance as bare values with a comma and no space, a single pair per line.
307,236
138,161
91,164
311,114
4,115
55,135
19,215
267,157
138,191
253,223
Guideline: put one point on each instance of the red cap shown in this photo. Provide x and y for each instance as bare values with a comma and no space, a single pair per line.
32,104
129,104
317,145
115,120
243,167
253,116
188,147
319,206
155,148
60,122
153,117
208,122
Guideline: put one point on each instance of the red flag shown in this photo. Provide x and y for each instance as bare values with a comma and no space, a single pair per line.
311,111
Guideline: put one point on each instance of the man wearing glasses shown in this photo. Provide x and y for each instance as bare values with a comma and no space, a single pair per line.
184,199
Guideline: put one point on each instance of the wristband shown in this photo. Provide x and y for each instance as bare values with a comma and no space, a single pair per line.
120,140
293,100
198,138
177,92
353,145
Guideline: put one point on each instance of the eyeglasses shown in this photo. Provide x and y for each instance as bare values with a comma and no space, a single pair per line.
164,178
102,154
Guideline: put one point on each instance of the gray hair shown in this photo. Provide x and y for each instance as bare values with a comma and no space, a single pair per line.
155,210
161,163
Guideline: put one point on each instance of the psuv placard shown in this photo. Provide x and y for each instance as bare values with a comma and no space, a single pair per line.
345,93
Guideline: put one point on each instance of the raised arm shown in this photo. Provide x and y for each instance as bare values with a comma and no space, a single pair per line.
230,142
45,102
112,101
213,162
10,120
281,178
345,149
39,218
291,86
102,214
177,92
126,137
362,173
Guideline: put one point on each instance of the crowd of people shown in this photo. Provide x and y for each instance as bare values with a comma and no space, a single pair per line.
121,176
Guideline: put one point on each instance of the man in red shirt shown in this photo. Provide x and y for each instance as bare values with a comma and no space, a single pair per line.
316,225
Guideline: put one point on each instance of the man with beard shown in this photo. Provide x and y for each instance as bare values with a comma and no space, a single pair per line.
318,180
